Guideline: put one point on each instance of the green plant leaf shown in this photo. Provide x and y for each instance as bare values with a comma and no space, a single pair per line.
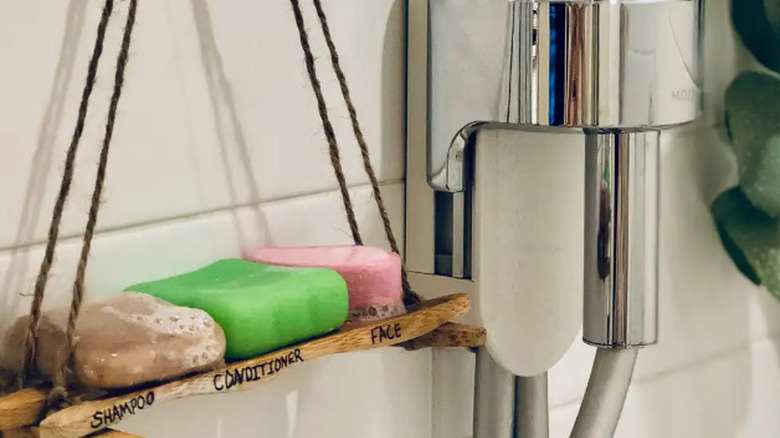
761,182
758,24
753,121
751,237
725,209
772,8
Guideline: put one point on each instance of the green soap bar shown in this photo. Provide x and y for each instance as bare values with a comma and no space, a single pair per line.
260,307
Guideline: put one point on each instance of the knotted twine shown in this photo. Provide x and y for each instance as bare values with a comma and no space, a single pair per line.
410,297
59,394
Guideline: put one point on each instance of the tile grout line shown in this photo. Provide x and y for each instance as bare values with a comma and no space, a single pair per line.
197,215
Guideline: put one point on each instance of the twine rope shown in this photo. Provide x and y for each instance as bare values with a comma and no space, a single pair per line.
410,297
31,337
330,135
59,392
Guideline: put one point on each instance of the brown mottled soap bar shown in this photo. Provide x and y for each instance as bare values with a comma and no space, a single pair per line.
124,340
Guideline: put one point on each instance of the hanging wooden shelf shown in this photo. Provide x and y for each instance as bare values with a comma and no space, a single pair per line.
21,409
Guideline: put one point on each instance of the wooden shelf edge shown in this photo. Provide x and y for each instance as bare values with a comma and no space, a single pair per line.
450,335
21,408
33,432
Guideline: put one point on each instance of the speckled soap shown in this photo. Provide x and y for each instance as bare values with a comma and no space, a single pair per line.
373,275
260,307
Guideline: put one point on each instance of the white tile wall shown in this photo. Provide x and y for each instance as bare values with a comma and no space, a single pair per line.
218,148
217,110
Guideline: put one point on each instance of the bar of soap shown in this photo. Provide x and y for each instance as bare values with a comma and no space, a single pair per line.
373,275
123,340
260,307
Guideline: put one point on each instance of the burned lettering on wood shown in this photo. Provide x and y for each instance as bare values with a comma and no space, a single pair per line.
385,333
115,413
239,375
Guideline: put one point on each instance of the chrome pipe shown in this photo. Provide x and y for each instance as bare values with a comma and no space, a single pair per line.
531,407
494,398
621,239
508,406
606,394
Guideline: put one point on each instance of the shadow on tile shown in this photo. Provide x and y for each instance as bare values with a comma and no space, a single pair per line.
229,129
15,279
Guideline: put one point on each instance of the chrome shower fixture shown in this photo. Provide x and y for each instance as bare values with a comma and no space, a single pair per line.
494,86
619,71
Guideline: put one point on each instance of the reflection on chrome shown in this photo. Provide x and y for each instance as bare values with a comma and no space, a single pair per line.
505,64
621,232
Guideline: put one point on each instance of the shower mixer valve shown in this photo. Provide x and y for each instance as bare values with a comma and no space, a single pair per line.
619,72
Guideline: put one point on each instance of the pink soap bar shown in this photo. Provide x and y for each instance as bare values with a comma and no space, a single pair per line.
373,275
